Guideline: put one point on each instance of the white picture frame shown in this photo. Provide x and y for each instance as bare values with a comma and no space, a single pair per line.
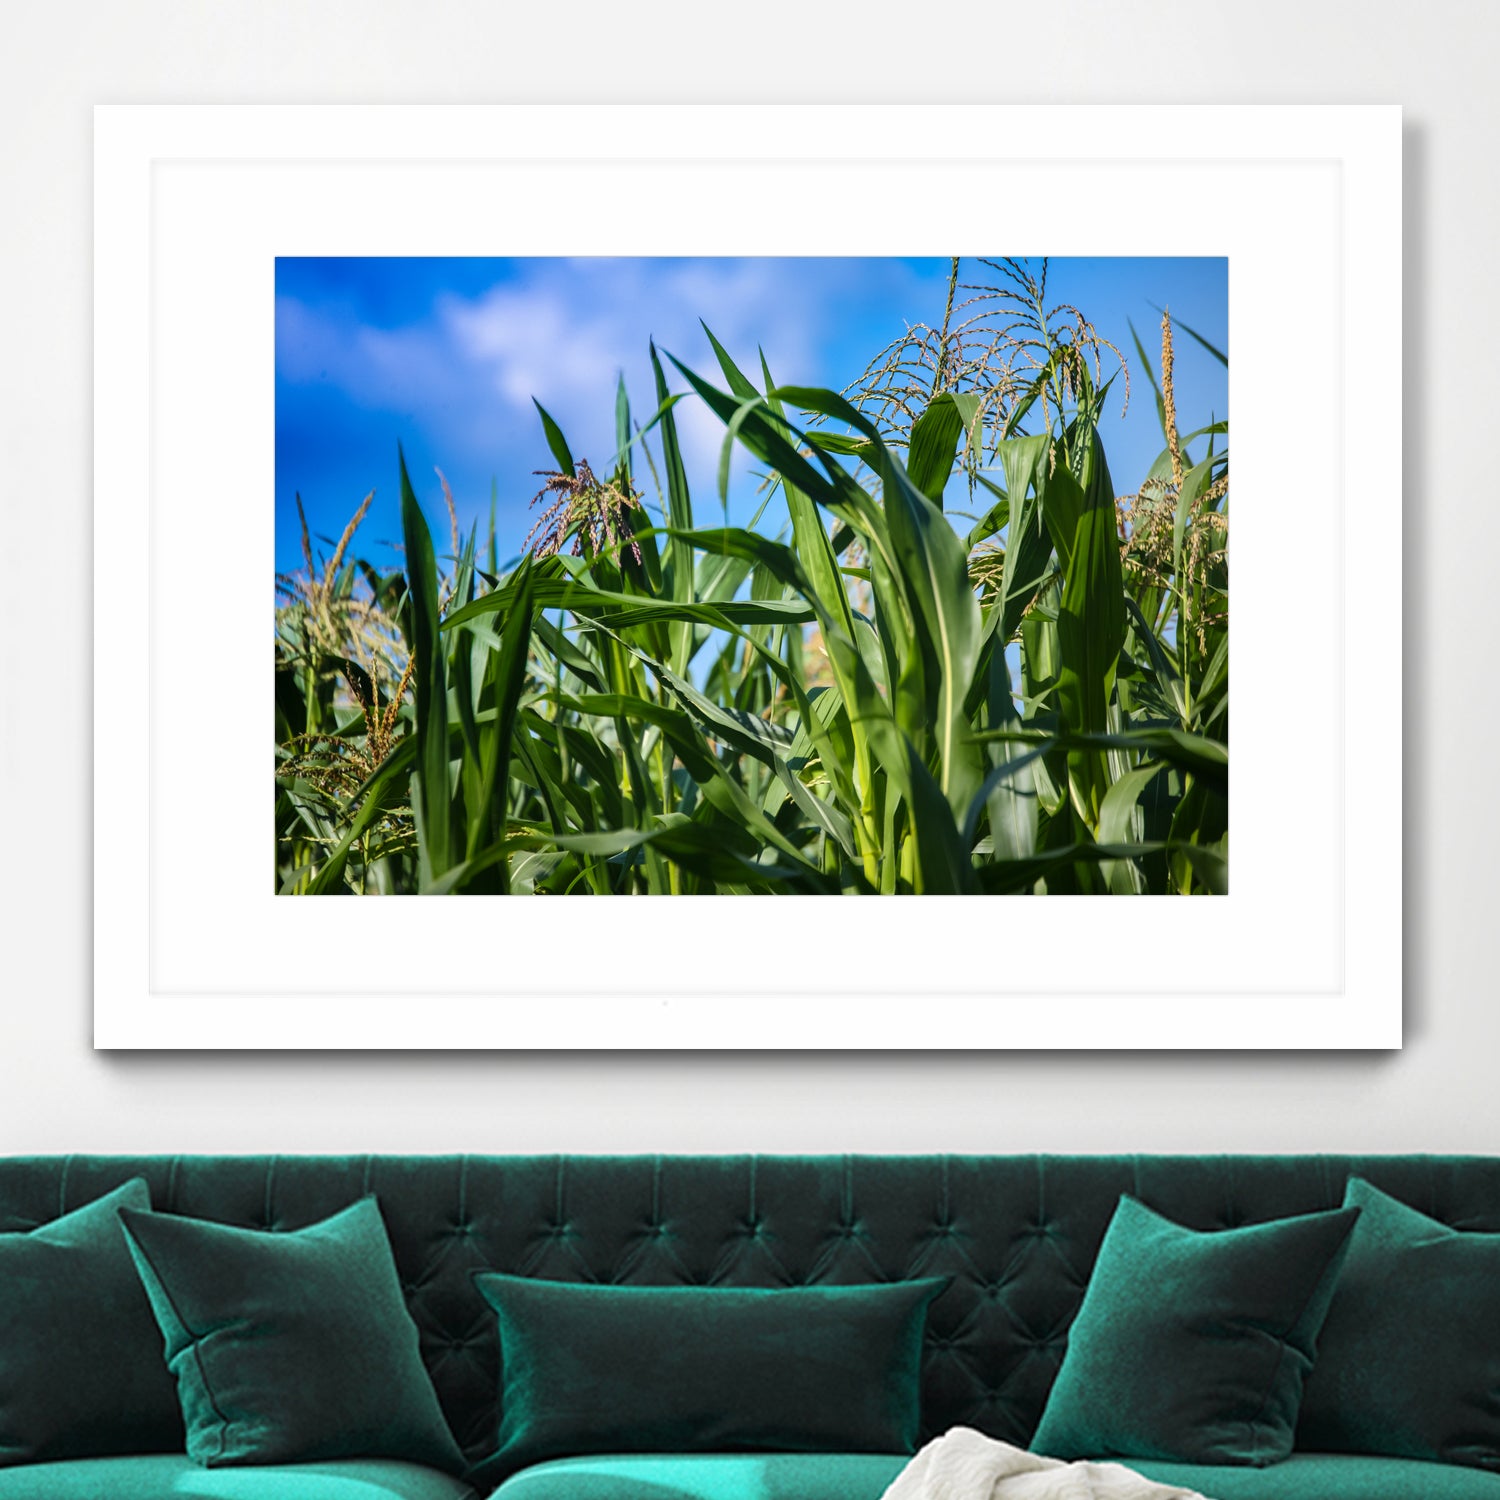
192,948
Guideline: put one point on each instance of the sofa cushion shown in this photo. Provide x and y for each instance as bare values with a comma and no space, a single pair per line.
617,1369
1409,1359
174,1476
1326,1476
1193,1346
290,1348
707,1476
81,1367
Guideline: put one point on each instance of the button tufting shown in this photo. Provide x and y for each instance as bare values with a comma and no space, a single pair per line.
1005,1318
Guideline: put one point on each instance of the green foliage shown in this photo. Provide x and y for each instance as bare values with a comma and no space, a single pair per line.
675,709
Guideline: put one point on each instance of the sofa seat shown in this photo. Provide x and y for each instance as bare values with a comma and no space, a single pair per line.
170,1476
1330,1476
708,1476
864,1476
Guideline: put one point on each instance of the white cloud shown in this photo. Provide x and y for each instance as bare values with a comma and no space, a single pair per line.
526,344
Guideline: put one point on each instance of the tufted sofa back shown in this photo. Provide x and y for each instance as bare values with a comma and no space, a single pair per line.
1018,1235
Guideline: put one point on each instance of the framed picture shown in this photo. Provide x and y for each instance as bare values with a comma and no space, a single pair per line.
726,503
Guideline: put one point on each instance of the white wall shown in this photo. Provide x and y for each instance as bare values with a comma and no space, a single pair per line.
1437,59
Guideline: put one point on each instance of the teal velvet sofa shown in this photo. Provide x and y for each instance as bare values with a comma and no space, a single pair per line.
1016,1236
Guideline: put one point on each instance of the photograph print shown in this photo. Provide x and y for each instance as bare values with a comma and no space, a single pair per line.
751,576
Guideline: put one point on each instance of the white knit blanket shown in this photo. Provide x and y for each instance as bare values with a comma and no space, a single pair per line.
966,1465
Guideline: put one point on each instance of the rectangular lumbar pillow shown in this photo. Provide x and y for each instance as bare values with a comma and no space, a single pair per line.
1409,1359
633,1369
81,1372
1192,1346
290,1347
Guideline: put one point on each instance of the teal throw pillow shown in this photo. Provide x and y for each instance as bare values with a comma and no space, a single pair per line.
1409,1359
292,1347
81,1372
631,1369
1193,1346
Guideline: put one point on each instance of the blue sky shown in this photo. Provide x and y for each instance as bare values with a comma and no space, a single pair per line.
445,355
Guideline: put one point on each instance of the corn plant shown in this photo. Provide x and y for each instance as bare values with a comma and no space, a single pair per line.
646,705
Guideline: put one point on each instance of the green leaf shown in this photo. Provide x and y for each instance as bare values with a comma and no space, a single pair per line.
680,515
994,519
718,616
970,406
822,585
1117,820
943,860
1011,876
571,654
934,439
1062,501
555,440
1011,796
945,865
774,443
739,383
706,851
462,661
505,679
1200,822
935,568
1209,864
1206,759
432,797
622,427
1028,543
726,452
588,602
1090,629
839,442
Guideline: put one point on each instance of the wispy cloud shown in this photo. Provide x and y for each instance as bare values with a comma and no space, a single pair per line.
561,332
464,372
